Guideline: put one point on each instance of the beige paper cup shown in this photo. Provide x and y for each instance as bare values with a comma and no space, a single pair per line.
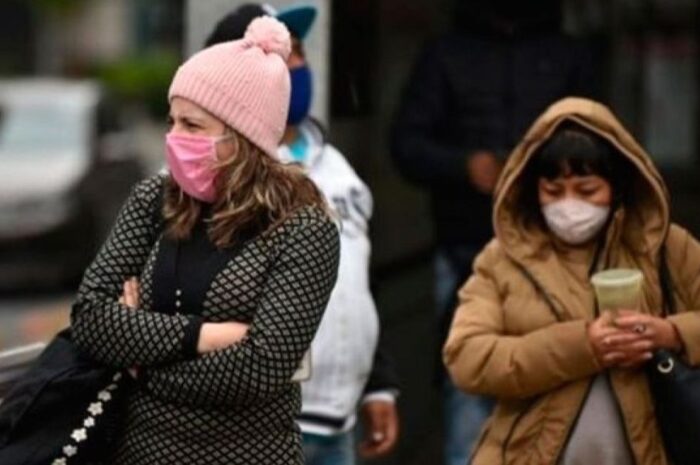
617,289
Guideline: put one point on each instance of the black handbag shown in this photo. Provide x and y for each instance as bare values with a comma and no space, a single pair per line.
67,409
676,390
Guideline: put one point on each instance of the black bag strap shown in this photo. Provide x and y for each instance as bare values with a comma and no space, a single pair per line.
668,304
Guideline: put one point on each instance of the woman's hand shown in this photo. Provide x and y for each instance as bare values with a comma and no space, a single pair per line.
483,170
130,299
614,346
381,428
659,332
216,336
130,296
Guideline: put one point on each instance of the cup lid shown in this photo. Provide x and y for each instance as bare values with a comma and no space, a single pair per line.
617,277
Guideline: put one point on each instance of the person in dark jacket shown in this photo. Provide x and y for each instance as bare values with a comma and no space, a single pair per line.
470,98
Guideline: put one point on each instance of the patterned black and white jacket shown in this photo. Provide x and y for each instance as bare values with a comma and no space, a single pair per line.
232,406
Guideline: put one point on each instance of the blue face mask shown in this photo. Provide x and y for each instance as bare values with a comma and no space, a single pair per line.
300,100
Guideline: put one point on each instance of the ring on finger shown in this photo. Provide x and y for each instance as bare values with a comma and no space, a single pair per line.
640,329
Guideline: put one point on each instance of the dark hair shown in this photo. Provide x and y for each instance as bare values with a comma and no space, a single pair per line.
233,25
572,150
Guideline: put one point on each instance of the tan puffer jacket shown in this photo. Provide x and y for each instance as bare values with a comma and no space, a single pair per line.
519,334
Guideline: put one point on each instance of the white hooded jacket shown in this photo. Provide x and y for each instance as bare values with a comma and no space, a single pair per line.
343,350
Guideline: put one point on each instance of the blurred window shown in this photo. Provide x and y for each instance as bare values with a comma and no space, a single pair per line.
33,129
653,53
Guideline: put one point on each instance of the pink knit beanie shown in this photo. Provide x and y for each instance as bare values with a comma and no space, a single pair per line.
244,83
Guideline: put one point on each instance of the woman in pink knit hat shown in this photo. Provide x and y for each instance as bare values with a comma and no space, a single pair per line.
214,279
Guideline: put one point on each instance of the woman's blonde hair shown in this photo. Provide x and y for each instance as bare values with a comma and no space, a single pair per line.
256,194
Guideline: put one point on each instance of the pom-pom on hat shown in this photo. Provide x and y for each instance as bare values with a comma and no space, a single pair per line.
244,83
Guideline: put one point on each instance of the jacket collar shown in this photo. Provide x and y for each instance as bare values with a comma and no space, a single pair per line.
315,137
638,230
642,227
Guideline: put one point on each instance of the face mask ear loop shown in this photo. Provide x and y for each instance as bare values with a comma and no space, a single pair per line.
226,136
230,134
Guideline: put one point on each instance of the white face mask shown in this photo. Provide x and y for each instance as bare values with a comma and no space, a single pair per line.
575,221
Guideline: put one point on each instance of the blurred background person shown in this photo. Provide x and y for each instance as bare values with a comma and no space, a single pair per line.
472,94
348,365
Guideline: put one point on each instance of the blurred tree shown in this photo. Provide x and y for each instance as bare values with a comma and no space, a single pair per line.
141,79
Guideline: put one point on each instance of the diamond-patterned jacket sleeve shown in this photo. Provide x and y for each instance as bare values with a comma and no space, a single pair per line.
112,333
261,365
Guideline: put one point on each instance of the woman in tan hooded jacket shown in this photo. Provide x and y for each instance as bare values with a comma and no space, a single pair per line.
569,382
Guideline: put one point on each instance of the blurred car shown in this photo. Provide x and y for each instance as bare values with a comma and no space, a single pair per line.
65,168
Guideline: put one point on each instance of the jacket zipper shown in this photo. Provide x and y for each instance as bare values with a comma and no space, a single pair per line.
482,438
555,311
596,313
509,436
559,317
572,425
622,417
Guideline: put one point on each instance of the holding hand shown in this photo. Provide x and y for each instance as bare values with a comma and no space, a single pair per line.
616,347
629,340
659,332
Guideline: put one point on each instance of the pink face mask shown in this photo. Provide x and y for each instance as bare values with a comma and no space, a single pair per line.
191,161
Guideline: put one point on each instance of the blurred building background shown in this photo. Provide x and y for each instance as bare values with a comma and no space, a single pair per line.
362,52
